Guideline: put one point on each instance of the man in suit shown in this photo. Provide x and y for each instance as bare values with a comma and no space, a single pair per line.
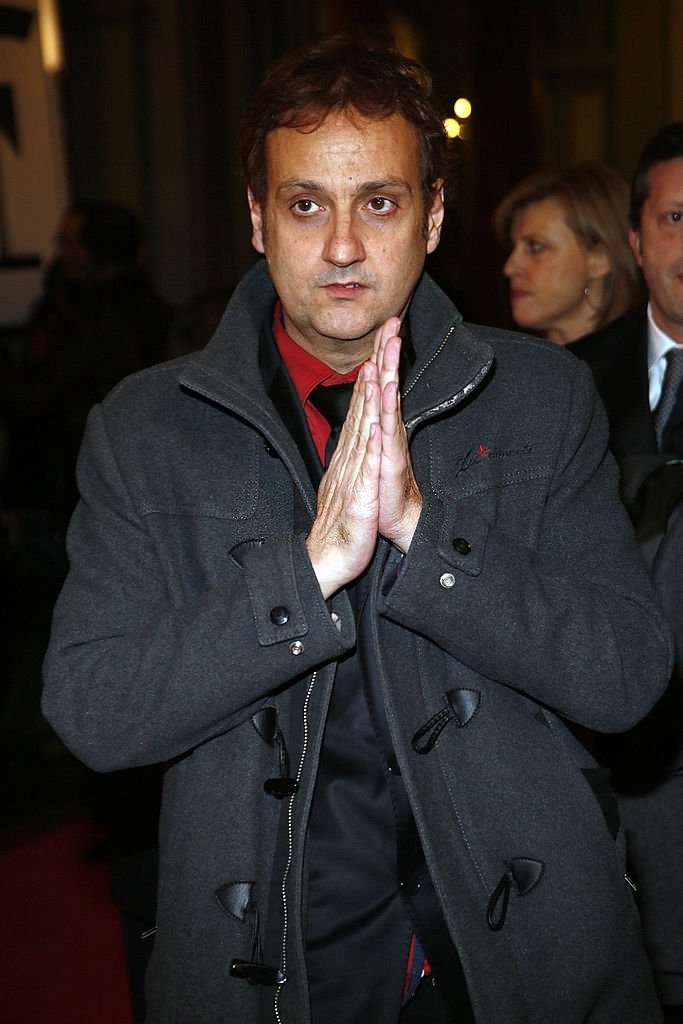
637,363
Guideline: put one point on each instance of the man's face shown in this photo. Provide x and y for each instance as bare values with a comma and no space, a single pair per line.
658,245
344,231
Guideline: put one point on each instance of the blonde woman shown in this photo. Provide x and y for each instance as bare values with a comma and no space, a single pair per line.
570,267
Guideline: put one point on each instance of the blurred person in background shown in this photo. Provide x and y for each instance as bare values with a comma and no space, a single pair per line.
99,319
637,362
570,268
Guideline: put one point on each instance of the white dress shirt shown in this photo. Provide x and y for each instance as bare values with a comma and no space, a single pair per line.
658,344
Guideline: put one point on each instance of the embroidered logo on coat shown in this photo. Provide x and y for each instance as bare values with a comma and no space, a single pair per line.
475,456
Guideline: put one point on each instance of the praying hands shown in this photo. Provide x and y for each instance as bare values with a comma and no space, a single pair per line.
369,488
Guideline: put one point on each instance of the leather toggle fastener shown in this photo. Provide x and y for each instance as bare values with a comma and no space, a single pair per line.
257,974
522,872
236,899
462,706
281,787
265,723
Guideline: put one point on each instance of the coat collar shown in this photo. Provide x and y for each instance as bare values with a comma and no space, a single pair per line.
449,361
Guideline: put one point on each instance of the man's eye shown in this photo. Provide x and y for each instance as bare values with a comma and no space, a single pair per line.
380,204
305,206
534,246
675,216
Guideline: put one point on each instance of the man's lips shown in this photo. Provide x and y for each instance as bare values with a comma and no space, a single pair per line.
517,293
344,290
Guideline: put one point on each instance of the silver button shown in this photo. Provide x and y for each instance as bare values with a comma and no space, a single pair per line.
447,580
296,647
337,621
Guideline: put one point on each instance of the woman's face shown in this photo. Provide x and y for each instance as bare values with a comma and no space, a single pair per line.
549,271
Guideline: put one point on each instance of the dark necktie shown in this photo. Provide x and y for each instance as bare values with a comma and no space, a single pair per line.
332,401
668,414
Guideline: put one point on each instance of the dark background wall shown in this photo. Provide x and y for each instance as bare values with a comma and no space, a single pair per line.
153,92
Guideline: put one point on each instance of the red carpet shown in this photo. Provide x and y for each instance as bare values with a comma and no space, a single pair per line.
61,953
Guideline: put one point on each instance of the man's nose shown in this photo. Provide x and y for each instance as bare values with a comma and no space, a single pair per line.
344,244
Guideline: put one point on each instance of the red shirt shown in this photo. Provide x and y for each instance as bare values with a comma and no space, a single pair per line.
307,372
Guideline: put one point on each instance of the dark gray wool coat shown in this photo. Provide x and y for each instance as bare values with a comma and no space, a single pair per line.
521,605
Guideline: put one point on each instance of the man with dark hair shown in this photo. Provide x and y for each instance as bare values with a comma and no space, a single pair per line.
97,239
100,318
357,588
638,366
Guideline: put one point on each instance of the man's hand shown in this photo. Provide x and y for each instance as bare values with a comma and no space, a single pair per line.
400,501
344,533
369,487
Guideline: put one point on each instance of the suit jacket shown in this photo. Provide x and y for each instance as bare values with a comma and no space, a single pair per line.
648,761
651,486
617,355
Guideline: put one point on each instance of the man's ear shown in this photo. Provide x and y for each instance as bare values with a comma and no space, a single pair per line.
435,216
636,246
256,214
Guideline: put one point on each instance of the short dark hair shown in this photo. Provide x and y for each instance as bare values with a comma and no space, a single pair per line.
341,73
667,144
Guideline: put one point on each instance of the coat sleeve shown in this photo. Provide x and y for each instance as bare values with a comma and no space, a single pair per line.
573,621
133,675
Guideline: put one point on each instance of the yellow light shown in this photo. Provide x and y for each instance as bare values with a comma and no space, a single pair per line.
452,127
50,36
462,108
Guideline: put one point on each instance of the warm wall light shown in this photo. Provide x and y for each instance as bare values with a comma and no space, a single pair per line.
462,108
50,36
452,127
